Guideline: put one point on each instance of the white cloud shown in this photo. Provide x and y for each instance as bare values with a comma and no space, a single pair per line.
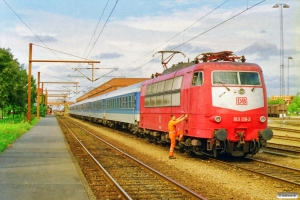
132,41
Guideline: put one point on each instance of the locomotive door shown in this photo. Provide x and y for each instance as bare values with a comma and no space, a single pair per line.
186,97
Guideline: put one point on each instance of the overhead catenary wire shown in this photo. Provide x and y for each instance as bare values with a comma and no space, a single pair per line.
103,28
30,28
100,31
248,8
179,33
63,52
96,27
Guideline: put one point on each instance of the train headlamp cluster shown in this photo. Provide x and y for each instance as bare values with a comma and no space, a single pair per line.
215,119
218,118
262,119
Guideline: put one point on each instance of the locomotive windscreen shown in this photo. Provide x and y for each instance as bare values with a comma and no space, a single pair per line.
236,78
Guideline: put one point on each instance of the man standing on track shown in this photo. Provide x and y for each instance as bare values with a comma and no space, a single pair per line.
173,133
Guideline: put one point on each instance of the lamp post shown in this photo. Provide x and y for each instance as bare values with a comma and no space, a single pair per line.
281,49
288,87
281,56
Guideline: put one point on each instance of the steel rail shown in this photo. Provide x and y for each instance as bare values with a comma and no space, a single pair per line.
119,188
284,129
144,165
264,174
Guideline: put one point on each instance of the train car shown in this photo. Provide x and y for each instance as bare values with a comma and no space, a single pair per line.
224,97
119,108
225,100
277,110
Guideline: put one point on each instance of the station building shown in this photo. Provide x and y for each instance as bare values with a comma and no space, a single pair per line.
109,86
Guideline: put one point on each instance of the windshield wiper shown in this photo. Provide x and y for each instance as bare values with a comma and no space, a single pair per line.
256,84
223,85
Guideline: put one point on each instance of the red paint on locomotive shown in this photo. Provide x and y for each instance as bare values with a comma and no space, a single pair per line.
226,103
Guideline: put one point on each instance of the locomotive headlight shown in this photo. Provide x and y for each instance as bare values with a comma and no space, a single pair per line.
218,118
262,119
215,119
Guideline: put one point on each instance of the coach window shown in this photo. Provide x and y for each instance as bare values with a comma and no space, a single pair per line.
133,101
129,102
124,102
197,78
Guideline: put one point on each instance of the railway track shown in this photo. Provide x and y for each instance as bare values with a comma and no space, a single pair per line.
285,129
114,174
288,138
281,149
268,169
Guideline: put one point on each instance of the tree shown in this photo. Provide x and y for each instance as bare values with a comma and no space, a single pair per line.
13,80
294,107
277,101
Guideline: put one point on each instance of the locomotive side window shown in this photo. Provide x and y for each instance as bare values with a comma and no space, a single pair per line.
154,88
152,101
176,99
147,102
164,93
167,99
249,78
168,85
159,100
177,83
148,89
197,78
160,87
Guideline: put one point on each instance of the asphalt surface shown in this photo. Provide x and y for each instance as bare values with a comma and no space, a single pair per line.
39,166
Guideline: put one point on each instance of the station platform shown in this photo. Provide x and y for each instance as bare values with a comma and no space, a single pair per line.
40,166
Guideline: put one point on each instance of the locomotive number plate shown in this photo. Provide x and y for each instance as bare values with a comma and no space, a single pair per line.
241,119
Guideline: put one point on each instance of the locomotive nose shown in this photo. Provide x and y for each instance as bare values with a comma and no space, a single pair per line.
267,134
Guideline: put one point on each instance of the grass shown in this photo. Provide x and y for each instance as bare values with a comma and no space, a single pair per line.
12,129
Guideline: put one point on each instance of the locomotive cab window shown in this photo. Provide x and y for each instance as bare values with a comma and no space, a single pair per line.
225,78
236,78
249,78
197,78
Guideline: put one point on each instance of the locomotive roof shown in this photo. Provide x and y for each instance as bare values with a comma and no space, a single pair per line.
123,91
183,65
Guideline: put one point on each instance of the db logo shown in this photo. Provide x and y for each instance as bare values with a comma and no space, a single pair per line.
241,101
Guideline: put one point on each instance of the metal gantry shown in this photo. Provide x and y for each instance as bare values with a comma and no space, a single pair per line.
29,76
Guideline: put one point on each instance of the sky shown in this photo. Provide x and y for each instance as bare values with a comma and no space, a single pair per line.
125,34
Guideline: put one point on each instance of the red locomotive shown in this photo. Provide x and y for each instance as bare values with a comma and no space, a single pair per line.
224,97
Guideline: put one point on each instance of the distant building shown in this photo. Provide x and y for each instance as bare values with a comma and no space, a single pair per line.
113,84
288,99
